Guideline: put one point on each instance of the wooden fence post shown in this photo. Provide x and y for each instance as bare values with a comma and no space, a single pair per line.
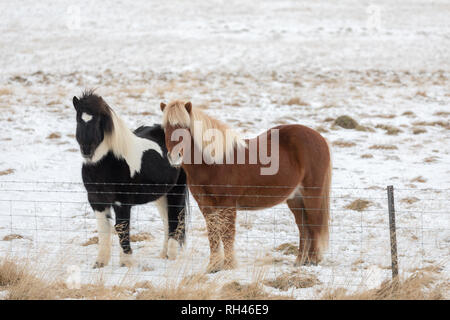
393,236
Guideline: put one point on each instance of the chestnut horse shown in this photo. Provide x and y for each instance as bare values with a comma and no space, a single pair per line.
220,187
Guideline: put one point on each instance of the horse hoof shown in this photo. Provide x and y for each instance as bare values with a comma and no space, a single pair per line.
213,268
306,263
229,265
172,249
126,259
98,265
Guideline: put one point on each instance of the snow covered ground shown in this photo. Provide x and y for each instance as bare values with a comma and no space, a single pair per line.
253,64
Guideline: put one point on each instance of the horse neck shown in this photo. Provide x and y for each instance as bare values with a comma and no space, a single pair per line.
123,140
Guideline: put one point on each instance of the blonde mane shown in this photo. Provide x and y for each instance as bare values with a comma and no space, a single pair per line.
175,114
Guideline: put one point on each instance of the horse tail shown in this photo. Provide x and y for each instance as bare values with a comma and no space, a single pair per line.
183,218
325,206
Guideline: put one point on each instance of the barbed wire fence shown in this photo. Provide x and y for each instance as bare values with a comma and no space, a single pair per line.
53,222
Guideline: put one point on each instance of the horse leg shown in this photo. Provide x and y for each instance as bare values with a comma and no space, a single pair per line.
213,227
176,220
314,220
162,205
104,229
123,231
297,207
227,234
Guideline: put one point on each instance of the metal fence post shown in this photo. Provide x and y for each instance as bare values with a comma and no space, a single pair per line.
393,236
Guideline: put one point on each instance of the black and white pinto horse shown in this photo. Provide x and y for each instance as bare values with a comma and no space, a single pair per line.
123,168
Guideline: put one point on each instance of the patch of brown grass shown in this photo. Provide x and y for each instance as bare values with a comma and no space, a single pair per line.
366,156
142,236
196,290
296,101
390,130
443,124
322,129
6,172
421,93
5,92
410,200
20,283
346,122
90,241
383,147
287,249
442,114
419,179
430,159
359,205
343,144
415,287
54,135
409,114
419,130
296,280
268,260
384,116
10,273
253,291
12,236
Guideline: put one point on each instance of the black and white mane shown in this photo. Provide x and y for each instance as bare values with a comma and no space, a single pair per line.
123,168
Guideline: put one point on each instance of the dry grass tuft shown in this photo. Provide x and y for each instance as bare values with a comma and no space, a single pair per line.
268,260
13,236
442,114
142,236
6,172
415,287
287,249
172,291
54,135
5,92
366,156
346,122
409,114
421,93
419,130
296,280
383,147
93,240
321,129
296,101
10,273
253,291
390,130
359,205
419,179
430,159
410,200
343,144
443,124
22,284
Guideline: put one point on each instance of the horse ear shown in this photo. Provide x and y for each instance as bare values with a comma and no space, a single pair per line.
75,102
188,107
162,105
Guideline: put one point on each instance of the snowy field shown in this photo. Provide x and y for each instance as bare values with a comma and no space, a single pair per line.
254,65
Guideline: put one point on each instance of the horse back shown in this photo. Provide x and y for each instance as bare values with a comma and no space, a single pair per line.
154,133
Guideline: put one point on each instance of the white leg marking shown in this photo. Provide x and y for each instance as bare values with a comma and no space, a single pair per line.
161,204
126,260
104,237
172,249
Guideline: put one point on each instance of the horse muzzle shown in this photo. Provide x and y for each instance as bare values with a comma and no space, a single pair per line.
175,162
